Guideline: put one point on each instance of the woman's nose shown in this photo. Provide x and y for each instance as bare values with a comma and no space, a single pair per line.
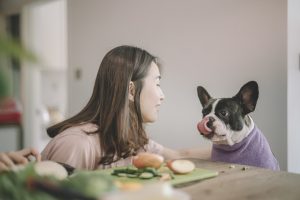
162,96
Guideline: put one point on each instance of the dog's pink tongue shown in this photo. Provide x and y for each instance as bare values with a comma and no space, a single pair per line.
202,127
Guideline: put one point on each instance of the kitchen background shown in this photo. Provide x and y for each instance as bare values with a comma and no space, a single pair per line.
220,44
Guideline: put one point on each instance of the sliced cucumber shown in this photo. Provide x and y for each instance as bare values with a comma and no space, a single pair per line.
146,175
132,175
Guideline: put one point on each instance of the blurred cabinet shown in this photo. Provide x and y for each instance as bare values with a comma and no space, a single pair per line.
10,137
11,134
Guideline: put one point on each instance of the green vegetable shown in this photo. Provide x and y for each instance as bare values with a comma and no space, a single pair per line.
146,175
131,172
20,185
152,170
132,175
13,185
90,183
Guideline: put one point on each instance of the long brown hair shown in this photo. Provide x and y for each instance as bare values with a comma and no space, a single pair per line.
120,125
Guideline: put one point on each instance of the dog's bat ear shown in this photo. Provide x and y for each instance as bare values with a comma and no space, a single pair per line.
247,96
203,95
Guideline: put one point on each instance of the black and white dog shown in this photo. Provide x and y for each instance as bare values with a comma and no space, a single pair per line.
235,137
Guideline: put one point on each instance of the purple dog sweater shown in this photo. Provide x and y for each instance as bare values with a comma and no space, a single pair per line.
254,150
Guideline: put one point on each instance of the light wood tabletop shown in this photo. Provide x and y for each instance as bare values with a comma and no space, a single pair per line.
238,182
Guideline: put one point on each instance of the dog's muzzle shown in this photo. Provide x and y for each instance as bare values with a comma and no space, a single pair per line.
205,126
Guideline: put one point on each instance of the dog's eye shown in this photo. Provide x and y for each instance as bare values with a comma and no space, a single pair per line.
224,113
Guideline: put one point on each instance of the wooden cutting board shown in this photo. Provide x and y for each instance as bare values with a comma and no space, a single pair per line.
197,174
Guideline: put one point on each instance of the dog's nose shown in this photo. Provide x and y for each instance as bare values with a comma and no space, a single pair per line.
203,128
210,122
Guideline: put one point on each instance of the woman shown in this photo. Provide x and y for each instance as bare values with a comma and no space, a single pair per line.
109,130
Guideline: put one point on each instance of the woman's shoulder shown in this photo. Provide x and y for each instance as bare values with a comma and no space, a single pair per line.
74,144
84,132
81,136
86,129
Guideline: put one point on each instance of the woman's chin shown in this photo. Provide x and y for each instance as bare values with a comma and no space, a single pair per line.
150,120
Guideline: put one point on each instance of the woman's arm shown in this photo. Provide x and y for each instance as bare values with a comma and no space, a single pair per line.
199,152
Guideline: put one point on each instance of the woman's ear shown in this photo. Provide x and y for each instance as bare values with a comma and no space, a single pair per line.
131,92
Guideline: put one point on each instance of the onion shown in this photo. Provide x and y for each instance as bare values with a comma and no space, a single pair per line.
143,160
181,166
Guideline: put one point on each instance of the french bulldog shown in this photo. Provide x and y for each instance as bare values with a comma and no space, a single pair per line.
235,137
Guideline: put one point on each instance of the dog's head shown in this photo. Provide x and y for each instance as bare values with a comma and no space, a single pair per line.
225,120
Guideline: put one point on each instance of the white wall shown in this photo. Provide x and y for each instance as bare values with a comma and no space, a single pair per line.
215,43
293,85
43,82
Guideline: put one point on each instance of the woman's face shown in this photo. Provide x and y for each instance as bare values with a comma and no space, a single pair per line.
151,95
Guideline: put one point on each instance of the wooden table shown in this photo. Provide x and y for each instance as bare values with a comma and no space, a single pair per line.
236,182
